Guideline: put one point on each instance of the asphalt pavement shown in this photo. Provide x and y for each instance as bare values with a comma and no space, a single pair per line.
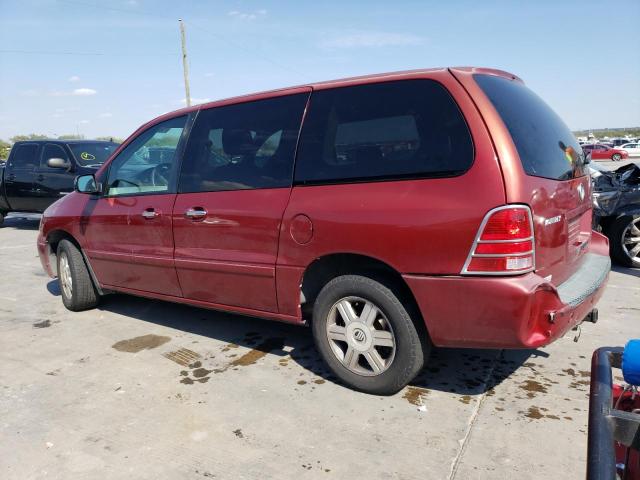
143,389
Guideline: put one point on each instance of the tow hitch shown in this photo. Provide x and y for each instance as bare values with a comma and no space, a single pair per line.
592,317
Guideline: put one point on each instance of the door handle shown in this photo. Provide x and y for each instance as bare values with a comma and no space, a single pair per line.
11,177
149,213
40,178
196,213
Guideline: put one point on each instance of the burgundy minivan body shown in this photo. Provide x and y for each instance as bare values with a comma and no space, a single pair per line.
266,244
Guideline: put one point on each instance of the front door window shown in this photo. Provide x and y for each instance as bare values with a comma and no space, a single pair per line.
147,165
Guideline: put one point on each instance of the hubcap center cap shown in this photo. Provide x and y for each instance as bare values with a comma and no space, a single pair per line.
359,336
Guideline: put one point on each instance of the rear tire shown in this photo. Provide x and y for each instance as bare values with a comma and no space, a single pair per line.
366,336
624,239
616,157
77,288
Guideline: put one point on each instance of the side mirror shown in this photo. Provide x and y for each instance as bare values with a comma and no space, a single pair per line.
86,184
587,158
58,163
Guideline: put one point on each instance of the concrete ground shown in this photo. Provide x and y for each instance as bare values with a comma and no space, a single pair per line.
142,389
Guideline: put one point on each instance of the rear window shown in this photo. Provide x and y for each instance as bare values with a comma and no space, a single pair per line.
546,146
390,130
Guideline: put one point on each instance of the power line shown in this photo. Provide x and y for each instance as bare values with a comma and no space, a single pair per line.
249,50
46,52
114,9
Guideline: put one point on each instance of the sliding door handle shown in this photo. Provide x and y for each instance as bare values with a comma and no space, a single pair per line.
149,213
196,213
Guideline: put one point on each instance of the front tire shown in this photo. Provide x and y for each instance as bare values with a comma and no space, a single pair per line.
366,336
624,240
76,286
616,157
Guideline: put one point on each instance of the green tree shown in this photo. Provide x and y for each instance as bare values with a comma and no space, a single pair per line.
110,139
70,136
31,136
4,149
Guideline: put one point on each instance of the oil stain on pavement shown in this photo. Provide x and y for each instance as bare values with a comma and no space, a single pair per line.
197,373
415,395
255,354
137,344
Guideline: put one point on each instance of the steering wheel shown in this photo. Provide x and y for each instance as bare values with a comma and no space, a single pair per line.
160,175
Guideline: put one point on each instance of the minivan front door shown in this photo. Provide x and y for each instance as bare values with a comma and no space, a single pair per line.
234,187
128,233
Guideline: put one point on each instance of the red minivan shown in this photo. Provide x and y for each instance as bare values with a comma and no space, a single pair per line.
391,213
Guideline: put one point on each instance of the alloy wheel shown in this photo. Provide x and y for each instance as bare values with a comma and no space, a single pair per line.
631,239
66,281
360,336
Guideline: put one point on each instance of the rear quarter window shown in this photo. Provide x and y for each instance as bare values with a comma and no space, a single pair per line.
545,145
390,130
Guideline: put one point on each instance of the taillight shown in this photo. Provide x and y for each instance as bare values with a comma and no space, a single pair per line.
504,244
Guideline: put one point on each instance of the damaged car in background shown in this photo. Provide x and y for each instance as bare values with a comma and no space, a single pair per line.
616,210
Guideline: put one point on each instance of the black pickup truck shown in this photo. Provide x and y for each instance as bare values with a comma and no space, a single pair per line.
39,172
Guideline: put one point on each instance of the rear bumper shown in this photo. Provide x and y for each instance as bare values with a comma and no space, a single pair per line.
508,312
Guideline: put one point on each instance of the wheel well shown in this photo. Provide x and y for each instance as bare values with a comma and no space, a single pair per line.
323,269
53,240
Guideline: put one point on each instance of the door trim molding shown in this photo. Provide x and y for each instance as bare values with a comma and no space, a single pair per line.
254,270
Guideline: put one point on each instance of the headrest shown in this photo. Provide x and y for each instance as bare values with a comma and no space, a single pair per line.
237,142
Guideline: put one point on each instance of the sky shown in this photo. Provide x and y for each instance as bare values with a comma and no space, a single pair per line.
104,67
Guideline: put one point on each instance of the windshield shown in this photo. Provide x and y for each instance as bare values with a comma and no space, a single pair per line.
546,146
87,154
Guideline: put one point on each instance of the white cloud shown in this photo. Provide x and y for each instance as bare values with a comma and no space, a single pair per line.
83,92
247,15
78,92
209,75
106,115
30,93
373,39
57,115
74,78
83,122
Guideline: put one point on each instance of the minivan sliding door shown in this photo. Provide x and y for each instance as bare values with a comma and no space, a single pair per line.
234,186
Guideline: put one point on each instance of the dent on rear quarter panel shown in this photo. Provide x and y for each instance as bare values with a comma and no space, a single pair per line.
416,226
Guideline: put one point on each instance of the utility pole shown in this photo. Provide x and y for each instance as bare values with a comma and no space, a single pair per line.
185,66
